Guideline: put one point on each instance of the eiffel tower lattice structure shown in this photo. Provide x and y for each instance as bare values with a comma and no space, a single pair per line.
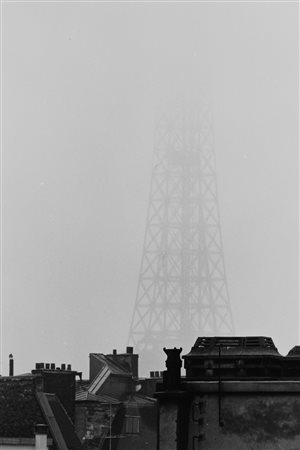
182,290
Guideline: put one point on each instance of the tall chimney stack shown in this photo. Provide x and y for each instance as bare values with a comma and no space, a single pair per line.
11,365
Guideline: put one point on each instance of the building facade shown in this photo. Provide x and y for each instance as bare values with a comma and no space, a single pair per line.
112,410
238,393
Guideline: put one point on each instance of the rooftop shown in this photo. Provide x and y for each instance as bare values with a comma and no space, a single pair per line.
238,345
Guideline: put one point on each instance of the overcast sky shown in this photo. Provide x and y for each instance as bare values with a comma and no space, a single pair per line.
81,83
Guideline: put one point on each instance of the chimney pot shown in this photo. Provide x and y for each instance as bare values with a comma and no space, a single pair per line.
47,366
114,351
11,365
69,367
129,350
152,374
42,365
52,366
63,367
157,374
41,432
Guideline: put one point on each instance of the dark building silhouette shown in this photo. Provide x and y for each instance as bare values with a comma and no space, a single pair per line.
37,409
238,393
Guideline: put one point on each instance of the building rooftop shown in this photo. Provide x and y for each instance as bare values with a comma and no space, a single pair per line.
238,345
240,357
83,395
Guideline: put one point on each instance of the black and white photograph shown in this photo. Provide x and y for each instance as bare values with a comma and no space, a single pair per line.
150,225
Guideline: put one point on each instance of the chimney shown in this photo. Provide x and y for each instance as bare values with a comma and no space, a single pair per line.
61,382
114,351
41,437
132,360
11,365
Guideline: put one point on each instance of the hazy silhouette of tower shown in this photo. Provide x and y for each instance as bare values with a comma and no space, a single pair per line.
182,290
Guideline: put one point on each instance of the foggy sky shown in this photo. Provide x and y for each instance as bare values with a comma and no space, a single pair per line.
81,83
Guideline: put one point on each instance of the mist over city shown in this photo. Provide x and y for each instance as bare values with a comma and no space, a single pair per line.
82,87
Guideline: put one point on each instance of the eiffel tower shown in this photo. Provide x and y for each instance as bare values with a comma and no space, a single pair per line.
182,290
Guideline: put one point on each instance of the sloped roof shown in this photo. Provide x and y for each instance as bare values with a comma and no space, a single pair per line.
23,375
99,380
82,394
109,367
59,423
114,367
